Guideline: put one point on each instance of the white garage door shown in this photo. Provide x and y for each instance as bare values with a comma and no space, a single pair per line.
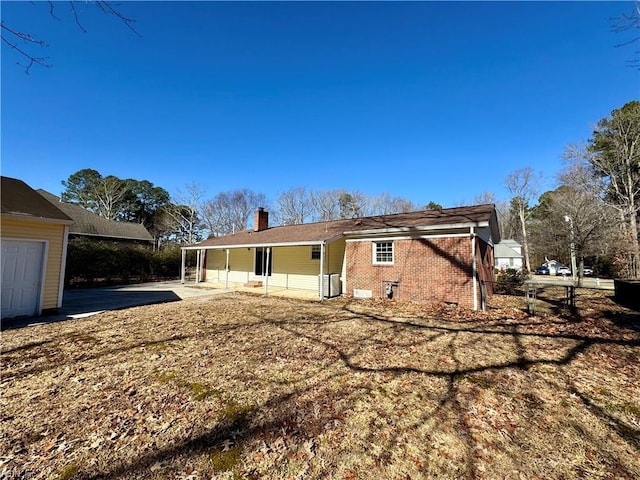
22,263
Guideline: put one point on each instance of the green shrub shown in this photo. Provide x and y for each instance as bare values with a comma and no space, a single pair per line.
91,263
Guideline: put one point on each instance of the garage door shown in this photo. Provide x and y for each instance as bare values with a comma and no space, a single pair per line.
21,277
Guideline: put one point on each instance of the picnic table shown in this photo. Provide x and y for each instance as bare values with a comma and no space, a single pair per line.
531,288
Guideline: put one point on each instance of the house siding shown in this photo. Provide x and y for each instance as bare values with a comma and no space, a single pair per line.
426,269
292,267
53,234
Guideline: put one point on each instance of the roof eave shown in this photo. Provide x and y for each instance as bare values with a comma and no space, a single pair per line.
32,218
301,243
422,228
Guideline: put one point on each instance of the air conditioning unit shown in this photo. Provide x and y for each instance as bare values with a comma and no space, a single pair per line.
331,286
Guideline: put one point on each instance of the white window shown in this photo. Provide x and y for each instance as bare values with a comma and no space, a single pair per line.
383,253
315,252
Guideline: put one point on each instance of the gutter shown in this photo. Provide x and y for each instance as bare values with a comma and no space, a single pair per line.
423,228
264,245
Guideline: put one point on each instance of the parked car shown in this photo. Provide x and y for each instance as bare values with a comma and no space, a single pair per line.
542,270
587,271
562,270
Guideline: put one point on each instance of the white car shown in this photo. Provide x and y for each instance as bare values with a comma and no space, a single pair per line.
562,270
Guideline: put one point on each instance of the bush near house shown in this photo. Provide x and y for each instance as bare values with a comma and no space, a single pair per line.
91,263
509,281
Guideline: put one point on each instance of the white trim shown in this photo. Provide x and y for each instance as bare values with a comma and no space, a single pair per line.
266,272
63,265
374,251
448,226
182,265
413,237
321,287
253,245
474,268
226,271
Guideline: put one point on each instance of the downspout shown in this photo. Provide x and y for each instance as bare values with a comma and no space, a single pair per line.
182,266
474,268
226,273
322,271
63,264
266,273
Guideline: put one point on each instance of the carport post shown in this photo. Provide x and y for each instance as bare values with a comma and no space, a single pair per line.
197,266
182,266
226,272
266,273
321,272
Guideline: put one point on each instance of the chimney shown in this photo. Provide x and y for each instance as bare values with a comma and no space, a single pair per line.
261,220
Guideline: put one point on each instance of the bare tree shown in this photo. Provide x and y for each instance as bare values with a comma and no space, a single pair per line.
326,204
385,204
229,212
295,206
613,154
523,185
22,42
629,22
573,218
184,213
109,192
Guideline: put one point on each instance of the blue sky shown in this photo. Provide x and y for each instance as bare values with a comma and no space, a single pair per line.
431,101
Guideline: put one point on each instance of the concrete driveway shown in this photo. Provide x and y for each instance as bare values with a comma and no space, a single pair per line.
90,301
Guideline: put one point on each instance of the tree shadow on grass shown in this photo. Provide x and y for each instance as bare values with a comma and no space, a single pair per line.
350,370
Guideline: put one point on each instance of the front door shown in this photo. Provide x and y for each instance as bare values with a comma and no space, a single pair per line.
263,261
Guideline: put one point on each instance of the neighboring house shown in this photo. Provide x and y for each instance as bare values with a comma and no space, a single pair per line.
89,225
431,255
508,254
34,249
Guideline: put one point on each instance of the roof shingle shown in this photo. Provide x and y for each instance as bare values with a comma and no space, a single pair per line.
19,199
88,223
323,231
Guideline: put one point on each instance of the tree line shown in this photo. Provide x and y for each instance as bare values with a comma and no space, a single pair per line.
189,215
595,206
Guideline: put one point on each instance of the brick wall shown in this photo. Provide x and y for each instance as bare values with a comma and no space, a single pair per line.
438,269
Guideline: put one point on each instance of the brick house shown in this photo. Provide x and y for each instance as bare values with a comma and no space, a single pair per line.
430,255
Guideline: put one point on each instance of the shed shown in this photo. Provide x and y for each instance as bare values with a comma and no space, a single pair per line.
34,248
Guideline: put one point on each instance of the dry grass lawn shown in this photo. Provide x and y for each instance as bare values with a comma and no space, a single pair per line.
241,386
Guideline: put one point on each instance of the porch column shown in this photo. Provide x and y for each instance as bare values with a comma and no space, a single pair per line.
197,266
226,273
321,272
266,273
182,266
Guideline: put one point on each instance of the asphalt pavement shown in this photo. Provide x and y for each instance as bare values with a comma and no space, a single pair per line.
90,301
